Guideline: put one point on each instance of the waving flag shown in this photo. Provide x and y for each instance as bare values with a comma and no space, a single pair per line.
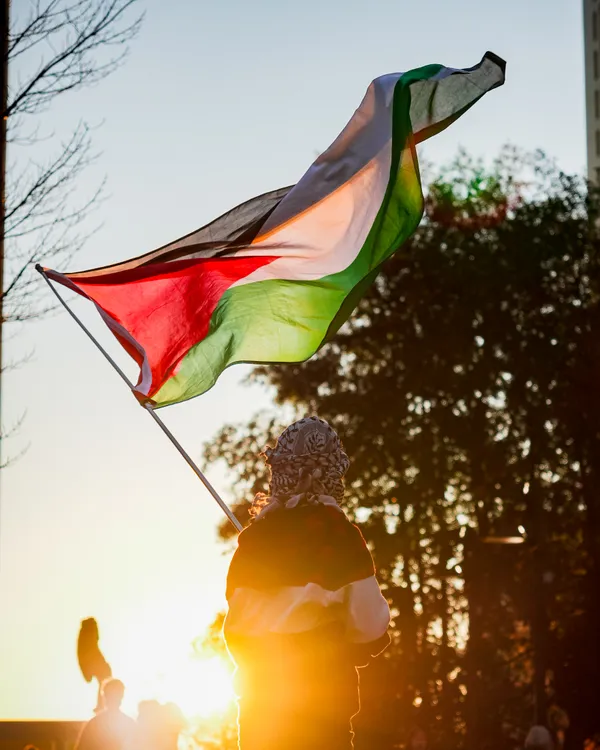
273,278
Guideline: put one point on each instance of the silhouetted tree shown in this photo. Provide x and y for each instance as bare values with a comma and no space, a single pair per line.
464,388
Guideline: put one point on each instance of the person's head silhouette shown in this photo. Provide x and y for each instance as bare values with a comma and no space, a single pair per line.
113,692
539,738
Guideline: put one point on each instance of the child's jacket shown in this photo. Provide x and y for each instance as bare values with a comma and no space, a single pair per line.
305,609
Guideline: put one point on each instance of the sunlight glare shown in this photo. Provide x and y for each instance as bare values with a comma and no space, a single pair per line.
200,687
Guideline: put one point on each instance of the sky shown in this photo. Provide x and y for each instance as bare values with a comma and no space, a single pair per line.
217,102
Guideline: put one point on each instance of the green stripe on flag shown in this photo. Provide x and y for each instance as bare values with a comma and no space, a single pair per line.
287,321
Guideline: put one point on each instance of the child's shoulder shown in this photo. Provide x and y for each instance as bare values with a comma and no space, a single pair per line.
307,527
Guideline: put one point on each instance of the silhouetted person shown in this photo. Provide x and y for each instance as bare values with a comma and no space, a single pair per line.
539,738
174,724
149,720
159,725
305,607
91,661
110,729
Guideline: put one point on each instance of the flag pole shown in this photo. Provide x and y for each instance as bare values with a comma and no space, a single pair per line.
148,407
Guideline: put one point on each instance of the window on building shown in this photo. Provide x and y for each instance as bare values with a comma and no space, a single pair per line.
594,25
596,64
597,142
597,104
597,175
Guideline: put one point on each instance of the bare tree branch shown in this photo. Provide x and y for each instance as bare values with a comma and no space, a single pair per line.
45,189
55,46
77,34
7,435
37,27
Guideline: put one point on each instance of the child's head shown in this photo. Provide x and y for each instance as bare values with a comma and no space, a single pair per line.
308,458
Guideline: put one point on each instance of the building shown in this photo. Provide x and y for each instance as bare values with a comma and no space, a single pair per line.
43,735
591,29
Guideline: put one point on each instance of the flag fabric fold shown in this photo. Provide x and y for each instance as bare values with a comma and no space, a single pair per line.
272,279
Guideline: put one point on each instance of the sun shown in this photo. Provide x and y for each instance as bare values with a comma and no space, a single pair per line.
200,687
166,662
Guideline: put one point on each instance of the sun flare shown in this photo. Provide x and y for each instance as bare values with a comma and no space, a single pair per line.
200,687
166,661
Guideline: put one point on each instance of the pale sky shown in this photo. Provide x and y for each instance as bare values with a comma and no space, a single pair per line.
218,102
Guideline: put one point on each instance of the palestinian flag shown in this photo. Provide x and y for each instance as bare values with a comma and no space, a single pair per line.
274,278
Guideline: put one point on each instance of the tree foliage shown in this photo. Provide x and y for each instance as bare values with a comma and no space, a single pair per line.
465,389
